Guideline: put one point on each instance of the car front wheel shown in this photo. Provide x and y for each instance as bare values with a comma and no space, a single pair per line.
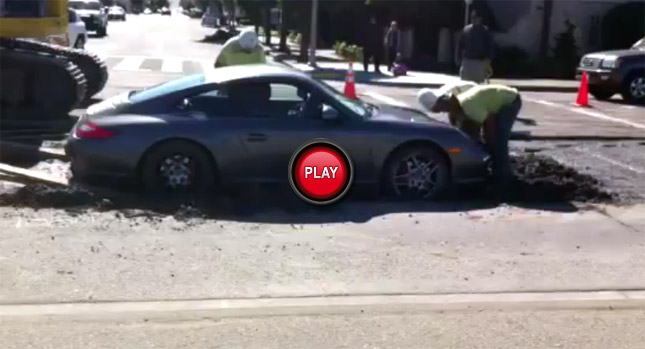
417,173
633,89
102,31
80,42
177,167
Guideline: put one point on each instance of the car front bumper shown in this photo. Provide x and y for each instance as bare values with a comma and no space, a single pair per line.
600,77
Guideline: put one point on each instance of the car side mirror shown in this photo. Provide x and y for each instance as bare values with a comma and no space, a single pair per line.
329,113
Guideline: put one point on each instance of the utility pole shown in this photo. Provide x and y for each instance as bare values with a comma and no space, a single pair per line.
314,33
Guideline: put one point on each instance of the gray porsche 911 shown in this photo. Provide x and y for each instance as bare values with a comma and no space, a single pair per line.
242,124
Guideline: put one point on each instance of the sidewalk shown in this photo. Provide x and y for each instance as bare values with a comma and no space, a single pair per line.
332,67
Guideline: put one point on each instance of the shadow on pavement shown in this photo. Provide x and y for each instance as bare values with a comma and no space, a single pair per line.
255,205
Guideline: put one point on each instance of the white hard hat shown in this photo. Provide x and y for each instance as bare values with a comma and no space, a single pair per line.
427,98
248,40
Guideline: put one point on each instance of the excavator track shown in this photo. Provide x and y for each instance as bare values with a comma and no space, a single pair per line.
92,66
37,85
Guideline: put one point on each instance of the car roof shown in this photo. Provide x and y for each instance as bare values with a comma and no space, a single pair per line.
241,72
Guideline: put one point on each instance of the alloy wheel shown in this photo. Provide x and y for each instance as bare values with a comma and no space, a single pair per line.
177,171
637,88
416,176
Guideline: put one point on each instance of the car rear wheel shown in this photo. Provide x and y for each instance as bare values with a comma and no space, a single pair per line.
601,93
102,31
177,167
417,173
633,89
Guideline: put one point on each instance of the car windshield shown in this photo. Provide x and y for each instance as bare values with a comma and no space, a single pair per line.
167,87
639,45
358,107
82,5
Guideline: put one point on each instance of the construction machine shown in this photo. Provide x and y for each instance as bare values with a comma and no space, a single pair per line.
40,76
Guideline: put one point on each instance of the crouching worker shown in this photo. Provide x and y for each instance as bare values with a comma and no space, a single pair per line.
494,109
428,98
241,49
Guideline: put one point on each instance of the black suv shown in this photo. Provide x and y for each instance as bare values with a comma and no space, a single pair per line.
611,72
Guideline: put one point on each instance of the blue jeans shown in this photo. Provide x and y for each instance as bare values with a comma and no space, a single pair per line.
498,146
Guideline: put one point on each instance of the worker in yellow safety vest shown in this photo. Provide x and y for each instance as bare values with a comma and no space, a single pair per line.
494,109
241,49
427,98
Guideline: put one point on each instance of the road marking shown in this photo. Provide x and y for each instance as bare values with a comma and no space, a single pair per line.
613,162
131,63
589,113
385,99
172,65
331,305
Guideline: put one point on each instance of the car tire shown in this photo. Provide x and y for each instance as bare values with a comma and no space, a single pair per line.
633,88
80,42
600,93
177,167
403,163
102,31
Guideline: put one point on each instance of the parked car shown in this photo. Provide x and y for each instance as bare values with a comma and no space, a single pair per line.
116,12
243,123
195,12
211,18
77,32
165,11
147,11
93,14
619,71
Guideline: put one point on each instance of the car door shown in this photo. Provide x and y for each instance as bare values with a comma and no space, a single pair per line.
212,122
271,140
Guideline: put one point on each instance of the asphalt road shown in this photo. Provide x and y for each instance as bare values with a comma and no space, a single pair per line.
64,252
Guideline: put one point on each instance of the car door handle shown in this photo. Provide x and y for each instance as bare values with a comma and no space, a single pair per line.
256,137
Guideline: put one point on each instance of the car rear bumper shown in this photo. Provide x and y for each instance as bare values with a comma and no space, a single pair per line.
91,158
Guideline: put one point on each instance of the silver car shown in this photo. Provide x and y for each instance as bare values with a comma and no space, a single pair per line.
242,124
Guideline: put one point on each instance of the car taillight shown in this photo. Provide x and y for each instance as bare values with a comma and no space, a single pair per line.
90,130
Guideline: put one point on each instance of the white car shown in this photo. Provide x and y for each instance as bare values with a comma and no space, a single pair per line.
77,34
116,12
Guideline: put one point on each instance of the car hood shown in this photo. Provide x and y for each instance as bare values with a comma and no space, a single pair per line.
402,115
617,53
85,13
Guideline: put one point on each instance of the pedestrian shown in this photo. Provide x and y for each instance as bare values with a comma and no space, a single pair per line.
372,48
241,49
392,44
494,109
475,51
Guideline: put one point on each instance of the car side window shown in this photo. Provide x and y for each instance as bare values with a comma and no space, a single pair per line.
72,17
285,92
210,103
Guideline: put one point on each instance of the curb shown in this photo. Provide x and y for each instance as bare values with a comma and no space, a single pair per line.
330,305
520,87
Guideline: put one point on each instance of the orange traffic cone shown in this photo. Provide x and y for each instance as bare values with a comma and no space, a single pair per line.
350,88
583,92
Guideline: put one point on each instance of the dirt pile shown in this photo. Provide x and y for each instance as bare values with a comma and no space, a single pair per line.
542,179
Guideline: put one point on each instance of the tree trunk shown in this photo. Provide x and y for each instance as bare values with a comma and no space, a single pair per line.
283,28
266,16
546,29
304,15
